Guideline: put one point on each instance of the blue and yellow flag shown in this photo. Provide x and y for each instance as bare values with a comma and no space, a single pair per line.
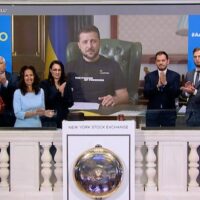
56,41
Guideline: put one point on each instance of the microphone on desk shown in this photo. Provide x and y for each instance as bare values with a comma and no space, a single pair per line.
120,117
77,116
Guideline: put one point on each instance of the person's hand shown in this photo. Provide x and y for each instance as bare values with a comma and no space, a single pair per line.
3,78
189,90
1,108
162,78
188,84
188,87
108,100
2,105
62,88
159,83
49,113
40,112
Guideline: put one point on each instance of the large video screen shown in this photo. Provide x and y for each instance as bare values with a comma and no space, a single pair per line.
149,28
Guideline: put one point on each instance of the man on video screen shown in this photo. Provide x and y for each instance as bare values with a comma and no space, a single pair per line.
95,78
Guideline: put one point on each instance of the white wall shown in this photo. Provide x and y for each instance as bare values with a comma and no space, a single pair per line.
103,23
155,32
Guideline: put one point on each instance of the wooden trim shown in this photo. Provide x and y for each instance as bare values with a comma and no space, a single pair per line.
174,59
113,26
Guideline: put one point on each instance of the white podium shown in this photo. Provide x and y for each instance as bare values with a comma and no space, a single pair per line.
117,136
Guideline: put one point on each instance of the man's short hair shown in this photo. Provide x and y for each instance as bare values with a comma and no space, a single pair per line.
3,59
161,53
196,49
88,29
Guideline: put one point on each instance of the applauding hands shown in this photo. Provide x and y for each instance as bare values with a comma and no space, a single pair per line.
61,88
162,79
188,87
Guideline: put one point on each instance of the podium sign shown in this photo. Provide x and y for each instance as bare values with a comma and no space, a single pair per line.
91,150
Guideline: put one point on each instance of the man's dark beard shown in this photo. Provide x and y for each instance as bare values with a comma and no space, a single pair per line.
163,69
91,58
198,66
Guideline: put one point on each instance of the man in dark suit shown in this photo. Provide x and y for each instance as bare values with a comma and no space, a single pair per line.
161,88
8,84
191,90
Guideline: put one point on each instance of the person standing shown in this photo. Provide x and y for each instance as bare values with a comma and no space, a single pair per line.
161,88
28,100
58,94
191,90
8,84
95,78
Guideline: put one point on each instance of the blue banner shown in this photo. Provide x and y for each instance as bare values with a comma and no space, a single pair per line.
6,40
193,38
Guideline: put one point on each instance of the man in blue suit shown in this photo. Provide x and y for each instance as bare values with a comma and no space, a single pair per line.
161,88
191,90
8,84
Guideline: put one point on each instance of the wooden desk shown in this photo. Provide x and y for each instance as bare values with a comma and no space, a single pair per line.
112,113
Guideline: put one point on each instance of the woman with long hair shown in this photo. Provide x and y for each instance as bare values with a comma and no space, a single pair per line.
58,94
28,100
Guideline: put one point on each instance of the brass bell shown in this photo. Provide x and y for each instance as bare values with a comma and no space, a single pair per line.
98,172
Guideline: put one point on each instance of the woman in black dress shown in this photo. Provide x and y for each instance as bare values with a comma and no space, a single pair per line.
58,94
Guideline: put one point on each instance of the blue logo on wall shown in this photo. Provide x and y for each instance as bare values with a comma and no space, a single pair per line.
3,36
193,38
6,40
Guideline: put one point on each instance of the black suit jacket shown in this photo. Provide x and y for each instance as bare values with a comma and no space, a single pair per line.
193,103
7,117
164,97
54,100
7,92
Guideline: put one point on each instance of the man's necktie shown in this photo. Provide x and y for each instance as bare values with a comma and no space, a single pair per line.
197,78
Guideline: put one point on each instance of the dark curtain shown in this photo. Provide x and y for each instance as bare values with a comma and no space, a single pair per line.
77,22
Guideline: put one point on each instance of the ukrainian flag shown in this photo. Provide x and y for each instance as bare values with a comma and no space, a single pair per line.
56,41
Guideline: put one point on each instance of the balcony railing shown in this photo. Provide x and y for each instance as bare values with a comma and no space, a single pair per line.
166,166
27,169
